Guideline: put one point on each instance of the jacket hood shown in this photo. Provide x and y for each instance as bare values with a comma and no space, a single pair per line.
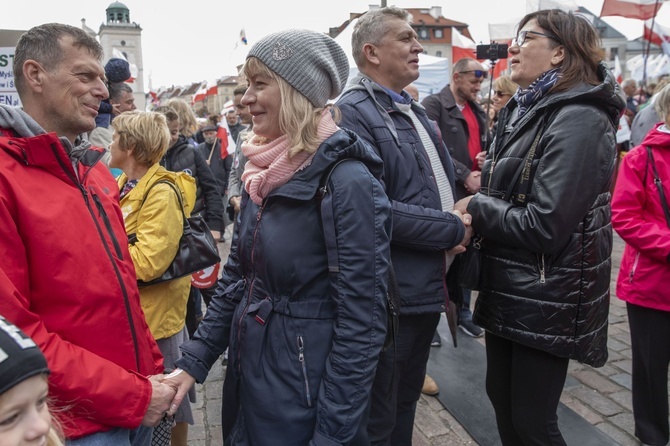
342,144
657,139
19,121
181,144
607,95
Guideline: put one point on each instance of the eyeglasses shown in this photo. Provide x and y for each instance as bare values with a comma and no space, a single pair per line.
520,38
478,73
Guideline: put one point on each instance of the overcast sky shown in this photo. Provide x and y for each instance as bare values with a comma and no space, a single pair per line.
193,40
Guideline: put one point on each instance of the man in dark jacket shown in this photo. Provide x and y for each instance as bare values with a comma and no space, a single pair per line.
211,152
419,180
463,126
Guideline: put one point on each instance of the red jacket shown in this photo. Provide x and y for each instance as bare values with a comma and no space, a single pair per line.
638,217
68,281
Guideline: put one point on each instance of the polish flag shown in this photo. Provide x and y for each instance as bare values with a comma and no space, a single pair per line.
658,34
461,46
200,94
632,9
618,73
212,91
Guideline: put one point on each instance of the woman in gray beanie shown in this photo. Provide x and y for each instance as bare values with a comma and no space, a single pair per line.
302,300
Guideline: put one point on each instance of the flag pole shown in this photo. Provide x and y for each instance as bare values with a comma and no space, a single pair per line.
647,49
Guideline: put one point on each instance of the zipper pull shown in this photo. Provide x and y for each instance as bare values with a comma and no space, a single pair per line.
542,276
301,349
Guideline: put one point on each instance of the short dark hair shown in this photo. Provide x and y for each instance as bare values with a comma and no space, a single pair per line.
580,40
463,64
116,88
240,89
42,44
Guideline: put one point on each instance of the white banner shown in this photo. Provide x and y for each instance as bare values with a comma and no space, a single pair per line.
8,94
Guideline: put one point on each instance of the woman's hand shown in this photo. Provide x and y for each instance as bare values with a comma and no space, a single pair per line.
181,382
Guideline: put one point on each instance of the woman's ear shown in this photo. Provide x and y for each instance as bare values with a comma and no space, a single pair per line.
558,56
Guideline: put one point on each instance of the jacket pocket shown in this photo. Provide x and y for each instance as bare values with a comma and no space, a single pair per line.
303,367
633,268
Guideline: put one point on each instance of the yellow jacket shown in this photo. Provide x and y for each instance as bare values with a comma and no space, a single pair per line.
158,224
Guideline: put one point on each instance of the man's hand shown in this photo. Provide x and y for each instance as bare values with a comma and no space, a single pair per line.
161,397
235,202
181,382
462,206
116,109
216,234
467,222
473,182
480,158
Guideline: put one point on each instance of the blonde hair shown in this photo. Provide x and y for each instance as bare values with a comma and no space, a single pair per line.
505,85
298,118
188,123
146,133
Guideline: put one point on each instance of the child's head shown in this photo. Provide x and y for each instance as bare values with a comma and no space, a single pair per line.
24,415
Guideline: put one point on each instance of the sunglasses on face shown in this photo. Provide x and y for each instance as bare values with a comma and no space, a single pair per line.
520,38
478,73
500,94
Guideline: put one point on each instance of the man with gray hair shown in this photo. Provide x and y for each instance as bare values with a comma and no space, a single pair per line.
63,246
419,180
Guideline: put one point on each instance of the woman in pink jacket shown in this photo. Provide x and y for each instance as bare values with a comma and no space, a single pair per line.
644,277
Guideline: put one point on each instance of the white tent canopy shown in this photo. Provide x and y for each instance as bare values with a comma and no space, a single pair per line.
434,72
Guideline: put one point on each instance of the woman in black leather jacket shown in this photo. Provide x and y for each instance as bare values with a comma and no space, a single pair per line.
544,218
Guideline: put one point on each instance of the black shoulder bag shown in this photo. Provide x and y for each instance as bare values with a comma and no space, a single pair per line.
197,248
659,186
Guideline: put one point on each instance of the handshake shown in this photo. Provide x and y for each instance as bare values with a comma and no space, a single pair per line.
461,211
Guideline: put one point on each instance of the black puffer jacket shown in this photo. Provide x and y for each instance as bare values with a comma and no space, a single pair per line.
546,264
183,157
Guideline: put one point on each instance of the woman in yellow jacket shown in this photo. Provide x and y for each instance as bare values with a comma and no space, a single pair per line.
152,213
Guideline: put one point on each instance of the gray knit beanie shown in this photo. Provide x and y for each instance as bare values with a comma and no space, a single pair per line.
311,62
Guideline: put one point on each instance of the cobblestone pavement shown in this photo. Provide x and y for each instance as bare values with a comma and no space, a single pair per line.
602,396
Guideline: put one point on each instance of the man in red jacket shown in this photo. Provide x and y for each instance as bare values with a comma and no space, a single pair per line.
71,282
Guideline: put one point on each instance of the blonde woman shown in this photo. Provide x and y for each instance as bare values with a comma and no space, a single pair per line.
154,222
304,333
188,122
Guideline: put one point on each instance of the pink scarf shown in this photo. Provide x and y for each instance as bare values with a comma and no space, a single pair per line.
269,165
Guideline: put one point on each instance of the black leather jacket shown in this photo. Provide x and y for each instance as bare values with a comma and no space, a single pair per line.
546,262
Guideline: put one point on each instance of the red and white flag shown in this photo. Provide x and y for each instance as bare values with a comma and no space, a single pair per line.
618,72
658,34
200,94
633,9
461,46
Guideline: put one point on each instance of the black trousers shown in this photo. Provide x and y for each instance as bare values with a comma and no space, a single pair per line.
650,342
524,385
398,383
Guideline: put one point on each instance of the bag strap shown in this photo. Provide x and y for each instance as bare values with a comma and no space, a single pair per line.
659,186
523,171
177,191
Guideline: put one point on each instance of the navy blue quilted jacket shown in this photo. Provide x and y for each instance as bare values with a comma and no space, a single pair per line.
304,343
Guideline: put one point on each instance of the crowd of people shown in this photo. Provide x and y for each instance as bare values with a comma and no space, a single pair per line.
359,216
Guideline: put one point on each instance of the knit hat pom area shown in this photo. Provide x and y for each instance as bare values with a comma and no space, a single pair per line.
20,358
311,62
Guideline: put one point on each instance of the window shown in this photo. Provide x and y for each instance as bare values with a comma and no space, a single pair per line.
438,33
423,34
438,53
614,52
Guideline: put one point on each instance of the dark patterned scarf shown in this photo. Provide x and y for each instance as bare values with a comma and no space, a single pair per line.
536,91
